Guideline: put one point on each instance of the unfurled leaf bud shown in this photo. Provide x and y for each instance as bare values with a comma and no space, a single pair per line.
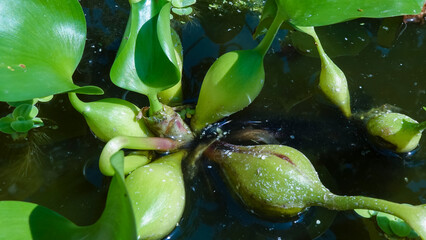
395,131
157,194
271,180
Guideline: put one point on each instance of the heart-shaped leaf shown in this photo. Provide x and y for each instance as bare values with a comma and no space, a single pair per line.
41,43
155,50
326,12
23,220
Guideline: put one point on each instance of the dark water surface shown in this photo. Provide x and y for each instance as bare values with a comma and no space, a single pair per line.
57,167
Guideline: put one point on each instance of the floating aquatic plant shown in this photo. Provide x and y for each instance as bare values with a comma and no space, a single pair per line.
278,181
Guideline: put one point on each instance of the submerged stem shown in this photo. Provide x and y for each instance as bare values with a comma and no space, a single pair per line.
415,216
266,42
139,143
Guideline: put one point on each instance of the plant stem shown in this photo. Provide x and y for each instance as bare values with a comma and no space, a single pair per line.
415,216
138,143
154,104
266,42
78,105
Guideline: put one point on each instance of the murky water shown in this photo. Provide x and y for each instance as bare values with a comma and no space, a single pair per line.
57,166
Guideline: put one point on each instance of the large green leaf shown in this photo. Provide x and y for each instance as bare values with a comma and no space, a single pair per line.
325,12
155,57
154,53
41,43
23,220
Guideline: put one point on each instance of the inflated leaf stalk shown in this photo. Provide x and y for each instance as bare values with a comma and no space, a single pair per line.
395,131
332,81
148,59
111,117
276,181
233,81
326,12
24,220
137,159
138,143
167,123
38,58
157,193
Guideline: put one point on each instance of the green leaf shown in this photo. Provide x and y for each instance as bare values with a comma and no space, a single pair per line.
41,43
383,220
365,213
182,11
123,71
155,58
183,3
157,192
5,123
231,84
27,111
16,104
23,220
37,122
22,125
399,227
326,12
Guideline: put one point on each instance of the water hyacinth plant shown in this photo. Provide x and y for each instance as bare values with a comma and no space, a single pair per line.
145,148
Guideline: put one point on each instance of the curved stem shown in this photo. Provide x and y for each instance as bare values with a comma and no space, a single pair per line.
139,143
415,216
266,42
154,104
78,105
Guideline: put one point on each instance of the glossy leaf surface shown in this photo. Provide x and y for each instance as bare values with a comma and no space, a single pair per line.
231,84
41,43
157,193
111,117
147,59
395,131
24,220
326,12
155,57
